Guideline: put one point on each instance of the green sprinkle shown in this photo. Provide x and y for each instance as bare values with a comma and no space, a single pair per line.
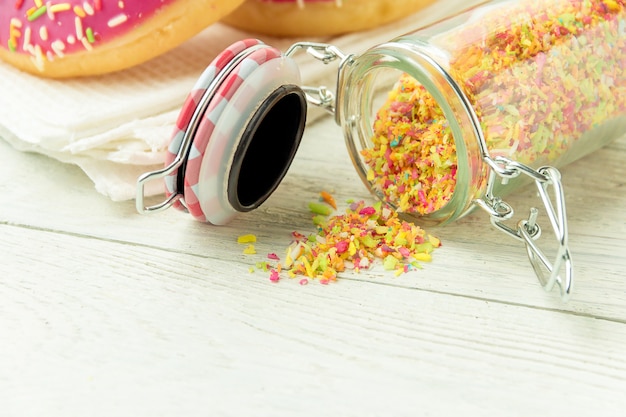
369,241
319,208
37,13
390,262
425,247
320,220
90,37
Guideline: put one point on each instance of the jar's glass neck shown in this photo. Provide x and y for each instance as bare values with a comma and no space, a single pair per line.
373,97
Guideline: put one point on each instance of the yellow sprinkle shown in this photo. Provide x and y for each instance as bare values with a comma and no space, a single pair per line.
307,266
351,249
38,3
251,269
60,7
249,250
434,241
246,239
315,264
612,5
288,259
79,11
424,257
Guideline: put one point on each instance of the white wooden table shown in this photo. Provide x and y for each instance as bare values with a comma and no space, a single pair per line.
104,312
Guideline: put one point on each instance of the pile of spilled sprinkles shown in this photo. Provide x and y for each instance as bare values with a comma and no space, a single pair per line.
365,235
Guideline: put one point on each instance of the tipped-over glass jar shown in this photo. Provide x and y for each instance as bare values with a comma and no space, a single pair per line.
452,116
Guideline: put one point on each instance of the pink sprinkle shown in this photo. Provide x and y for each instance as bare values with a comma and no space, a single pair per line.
304,281
367,211
341,246
274,276
404,252
422,197
324,281
273,257
386,248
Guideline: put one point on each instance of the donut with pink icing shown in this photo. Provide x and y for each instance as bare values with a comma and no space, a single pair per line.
319,17
68,38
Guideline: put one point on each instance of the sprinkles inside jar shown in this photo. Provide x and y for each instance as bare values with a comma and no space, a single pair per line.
539,75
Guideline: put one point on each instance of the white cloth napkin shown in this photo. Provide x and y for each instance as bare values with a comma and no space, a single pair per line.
115,127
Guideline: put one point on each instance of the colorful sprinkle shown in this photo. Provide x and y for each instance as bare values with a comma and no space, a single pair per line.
540,76
355,240
90,36
37,13
249,250
320,209
274,276
246,239
79,11
329,199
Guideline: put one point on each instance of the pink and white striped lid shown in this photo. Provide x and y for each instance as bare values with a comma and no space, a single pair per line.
238,90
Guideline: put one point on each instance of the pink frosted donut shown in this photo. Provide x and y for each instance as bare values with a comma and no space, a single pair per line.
67,38
319,17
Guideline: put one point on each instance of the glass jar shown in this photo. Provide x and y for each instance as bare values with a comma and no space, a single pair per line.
428,114
453,116
437,122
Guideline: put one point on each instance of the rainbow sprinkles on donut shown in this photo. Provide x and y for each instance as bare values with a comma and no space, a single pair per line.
67,38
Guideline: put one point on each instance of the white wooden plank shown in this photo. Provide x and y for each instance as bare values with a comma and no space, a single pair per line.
475,261
93,327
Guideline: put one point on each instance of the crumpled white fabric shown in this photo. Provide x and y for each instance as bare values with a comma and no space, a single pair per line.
116,127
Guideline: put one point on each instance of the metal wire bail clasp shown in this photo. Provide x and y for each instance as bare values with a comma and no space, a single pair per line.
319,96
528,231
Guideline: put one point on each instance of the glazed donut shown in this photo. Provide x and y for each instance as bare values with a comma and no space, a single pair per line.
319,17
68,38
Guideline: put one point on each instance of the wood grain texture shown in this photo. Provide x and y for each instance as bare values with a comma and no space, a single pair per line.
105,312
